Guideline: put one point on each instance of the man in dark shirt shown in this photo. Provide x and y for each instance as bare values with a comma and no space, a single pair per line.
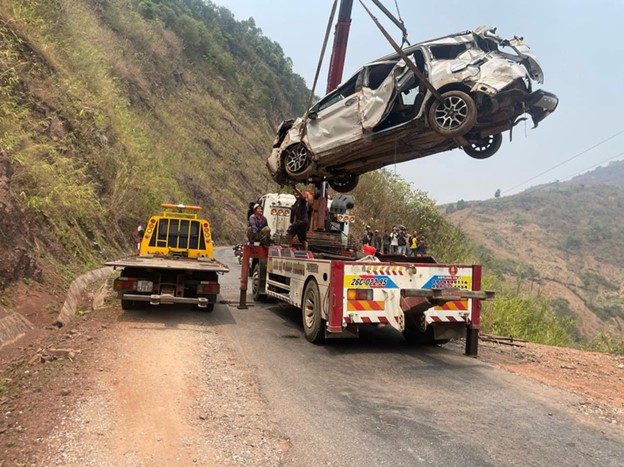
258,230
299,220
377,240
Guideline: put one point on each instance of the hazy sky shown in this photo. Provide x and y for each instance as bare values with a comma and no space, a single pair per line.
580,47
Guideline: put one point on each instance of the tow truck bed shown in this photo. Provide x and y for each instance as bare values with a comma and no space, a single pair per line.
171,263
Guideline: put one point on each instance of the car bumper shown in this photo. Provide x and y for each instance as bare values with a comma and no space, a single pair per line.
541,104
166,299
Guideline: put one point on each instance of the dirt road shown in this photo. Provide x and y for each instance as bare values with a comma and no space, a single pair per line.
149,387
170,386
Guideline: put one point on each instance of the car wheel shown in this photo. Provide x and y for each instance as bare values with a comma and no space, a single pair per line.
344,183
296,159
483,148
453,115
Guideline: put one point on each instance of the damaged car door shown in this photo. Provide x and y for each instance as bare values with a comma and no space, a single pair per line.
335,120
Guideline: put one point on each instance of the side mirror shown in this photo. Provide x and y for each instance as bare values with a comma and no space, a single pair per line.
312,115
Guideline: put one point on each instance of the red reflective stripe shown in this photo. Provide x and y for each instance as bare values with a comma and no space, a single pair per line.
336,297
376,305
355,305
475,318
383,319
366,319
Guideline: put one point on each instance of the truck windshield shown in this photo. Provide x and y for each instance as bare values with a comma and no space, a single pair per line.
178,234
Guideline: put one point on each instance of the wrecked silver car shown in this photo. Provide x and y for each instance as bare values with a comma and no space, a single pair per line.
386,114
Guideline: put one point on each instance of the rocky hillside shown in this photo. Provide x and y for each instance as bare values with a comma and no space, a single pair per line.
561,240
110,107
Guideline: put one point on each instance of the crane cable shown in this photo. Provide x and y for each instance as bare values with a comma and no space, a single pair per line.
566,161
318,66
404,39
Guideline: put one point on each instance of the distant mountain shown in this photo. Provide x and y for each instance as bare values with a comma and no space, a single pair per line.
564,240
613,175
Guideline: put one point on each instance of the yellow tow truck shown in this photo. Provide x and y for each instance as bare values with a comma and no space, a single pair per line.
174,263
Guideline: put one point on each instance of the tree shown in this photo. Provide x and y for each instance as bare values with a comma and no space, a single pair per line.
497,193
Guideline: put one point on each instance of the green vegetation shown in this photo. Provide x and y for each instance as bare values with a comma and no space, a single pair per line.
606,343
4,384
109,108
521,316
384,199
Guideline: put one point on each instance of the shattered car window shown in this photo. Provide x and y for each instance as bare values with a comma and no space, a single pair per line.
377,74
447,52
344,91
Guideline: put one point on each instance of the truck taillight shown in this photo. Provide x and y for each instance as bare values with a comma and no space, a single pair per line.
359,294
125,283
208,288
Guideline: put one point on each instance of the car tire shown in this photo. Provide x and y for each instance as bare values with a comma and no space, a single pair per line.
453,115
344,183
313,322
483,148
297,160
127,305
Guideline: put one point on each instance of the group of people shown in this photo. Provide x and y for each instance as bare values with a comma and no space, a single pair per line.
397,241
259,231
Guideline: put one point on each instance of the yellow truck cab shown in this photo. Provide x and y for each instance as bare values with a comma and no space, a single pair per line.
178,231
174,264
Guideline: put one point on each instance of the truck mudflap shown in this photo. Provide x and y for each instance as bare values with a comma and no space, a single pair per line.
167,299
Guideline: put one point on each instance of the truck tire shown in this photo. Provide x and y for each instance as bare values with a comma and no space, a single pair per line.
414,336
209,307
313,322
128,304
255,285
417,337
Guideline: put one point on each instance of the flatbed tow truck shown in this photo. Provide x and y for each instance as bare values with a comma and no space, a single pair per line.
338,290
174,262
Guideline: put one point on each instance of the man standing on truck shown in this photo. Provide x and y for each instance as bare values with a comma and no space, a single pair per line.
258,230
299,220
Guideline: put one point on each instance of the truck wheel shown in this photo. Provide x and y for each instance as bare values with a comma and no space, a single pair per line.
127,305
209,307
313,323
255,285
416,337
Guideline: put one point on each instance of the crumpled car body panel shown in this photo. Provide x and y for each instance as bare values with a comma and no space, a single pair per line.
380,115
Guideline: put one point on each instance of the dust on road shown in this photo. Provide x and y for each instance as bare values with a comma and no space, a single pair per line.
167,390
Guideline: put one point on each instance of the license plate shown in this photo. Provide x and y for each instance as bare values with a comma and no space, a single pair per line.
144,286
